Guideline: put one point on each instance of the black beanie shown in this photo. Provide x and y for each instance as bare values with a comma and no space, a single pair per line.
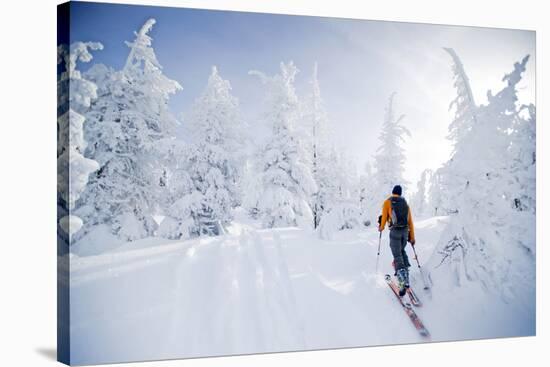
397,190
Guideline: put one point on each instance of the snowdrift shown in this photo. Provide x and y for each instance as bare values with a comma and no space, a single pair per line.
254,290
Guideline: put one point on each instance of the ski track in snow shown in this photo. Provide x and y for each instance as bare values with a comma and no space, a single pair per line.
248,291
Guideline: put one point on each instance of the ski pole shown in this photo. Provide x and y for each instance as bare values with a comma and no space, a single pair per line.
378,254
420,268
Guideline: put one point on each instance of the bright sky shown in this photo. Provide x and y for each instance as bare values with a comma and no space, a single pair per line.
360,64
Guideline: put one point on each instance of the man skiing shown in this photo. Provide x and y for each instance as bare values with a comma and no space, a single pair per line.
397,213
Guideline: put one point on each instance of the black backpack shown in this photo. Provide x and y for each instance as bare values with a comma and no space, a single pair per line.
399,212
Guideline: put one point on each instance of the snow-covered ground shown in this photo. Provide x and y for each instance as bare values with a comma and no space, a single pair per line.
265,290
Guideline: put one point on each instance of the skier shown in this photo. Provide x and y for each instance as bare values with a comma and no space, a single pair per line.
397,213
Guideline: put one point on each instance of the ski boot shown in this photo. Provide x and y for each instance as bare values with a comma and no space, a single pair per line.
402,281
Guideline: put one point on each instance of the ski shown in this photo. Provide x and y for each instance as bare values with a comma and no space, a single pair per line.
414,298
407,307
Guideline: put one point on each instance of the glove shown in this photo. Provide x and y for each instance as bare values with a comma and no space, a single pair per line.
409,239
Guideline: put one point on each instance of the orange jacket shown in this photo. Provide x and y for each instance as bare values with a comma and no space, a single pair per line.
386,217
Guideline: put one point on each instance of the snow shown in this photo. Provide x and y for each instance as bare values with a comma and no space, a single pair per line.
259,290
98,241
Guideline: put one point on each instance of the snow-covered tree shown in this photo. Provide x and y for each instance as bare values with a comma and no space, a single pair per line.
180,202
317,123
464,104
343,170
488,233
366,193
129,125
75,96
344,214
523,161
439,202
251,187
287,183
214,163
420,200
389,159
465,119
342,209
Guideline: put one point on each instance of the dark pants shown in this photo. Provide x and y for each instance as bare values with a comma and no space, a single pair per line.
398,241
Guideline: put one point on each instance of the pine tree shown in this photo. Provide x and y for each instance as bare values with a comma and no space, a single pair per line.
75,95
439,201
521,193
390,157
420,199
465,109
180,201
129,124
488,232
463,104
366,194
215,166
523,161
286,179
317,122
342,210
